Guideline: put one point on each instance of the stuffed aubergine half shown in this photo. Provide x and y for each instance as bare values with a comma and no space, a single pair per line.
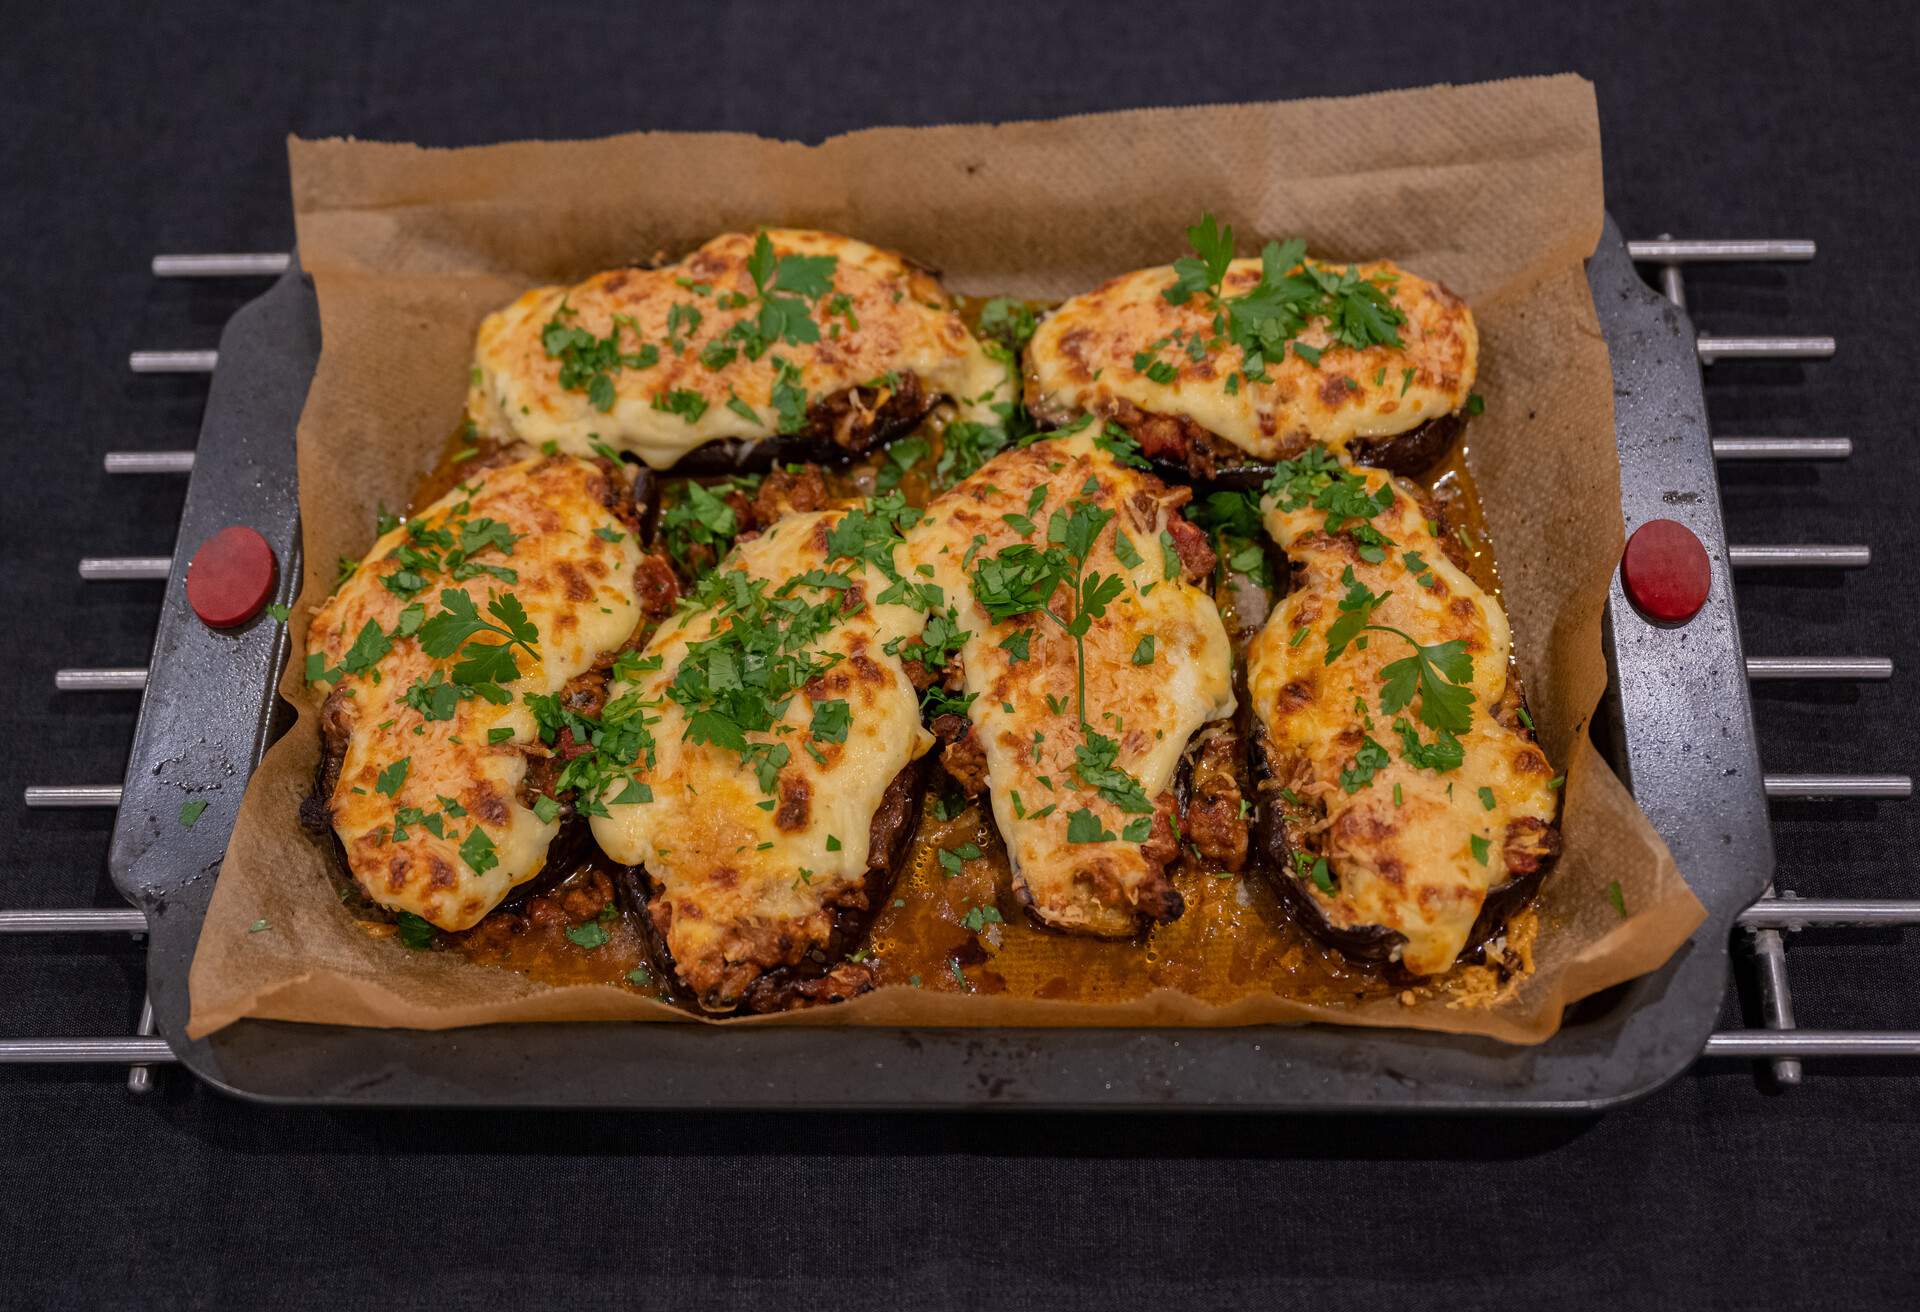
1402,804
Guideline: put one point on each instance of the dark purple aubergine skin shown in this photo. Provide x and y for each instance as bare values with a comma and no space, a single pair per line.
902,413
646,502
1407,454
1270,852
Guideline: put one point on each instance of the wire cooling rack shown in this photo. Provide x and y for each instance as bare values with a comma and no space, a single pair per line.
1765,926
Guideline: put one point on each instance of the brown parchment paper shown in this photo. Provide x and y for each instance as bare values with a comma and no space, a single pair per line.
1493,189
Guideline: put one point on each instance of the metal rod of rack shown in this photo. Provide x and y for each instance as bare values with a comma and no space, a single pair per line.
1762,348
140,1078
1823,786
1799,555
1819,667
1782,448
1849,912
81,920
173,362
1751,1044
130,679
120,569
62,796
141,1052
1668,250
148,462
260,265
1776,994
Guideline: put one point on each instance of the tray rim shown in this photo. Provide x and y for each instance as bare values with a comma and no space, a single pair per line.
268,354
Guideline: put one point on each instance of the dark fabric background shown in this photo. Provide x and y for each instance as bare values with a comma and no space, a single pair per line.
123,135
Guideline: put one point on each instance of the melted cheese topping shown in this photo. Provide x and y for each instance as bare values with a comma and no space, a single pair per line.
1409,863
744,886
1151,709
1082,359
895,318
578,591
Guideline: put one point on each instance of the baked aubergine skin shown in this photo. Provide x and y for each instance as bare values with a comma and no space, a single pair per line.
1087,808
1192,398
1396,838
827,342
779,721
517,583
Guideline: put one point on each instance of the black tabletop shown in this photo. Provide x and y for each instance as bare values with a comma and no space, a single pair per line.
122,136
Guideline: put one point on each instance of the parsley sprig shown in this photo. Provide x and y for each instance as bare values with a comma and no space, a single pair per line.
780,283
1440,672
1021,579
483,666
1213,247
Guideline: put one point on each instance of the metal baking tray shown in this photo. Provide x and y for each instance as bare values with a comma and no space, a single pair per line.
1677,726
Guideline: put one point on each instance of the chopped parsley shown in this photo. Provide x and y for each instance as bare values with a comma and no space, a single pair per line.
1444,753
1009,322
588,363
1233,521
964,447
953,860
591,935
1368,761
393,777
1083,826
478,852
830,721
978,918
190,811
1118,443
1314,868
901,456
414,931
689,405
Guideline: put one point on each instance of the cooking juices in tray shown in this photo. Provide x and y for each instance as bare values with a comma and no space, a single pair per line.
1191,851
